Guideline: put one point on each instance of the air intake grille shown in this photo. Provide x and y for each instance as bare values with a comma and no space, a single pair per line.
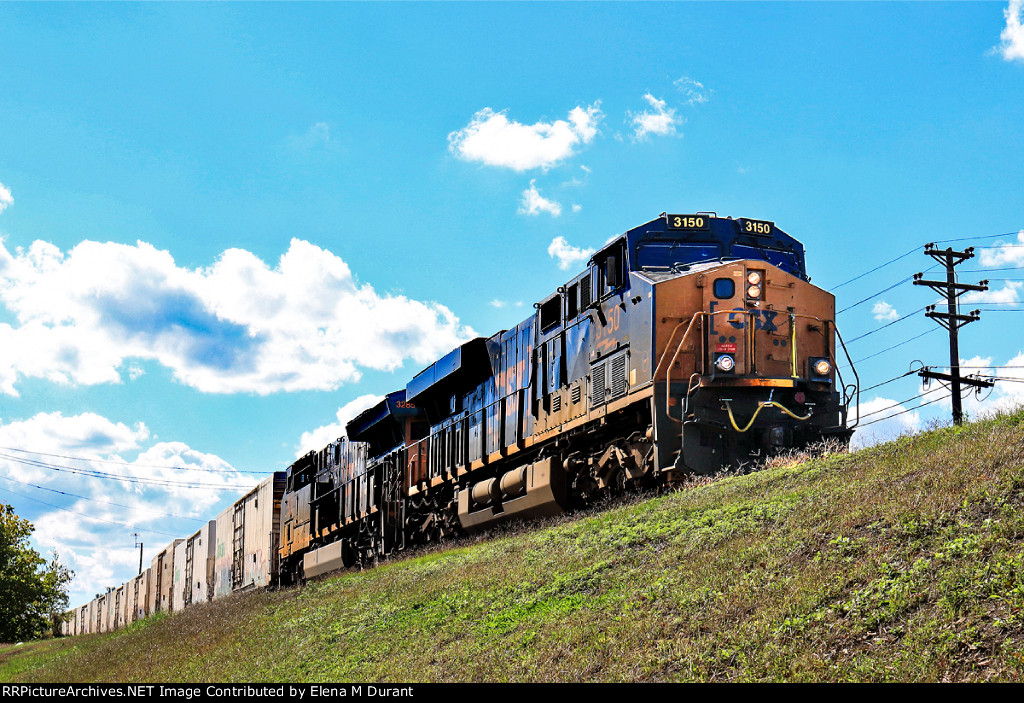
597,384
577,392
556,403
617,383
585,299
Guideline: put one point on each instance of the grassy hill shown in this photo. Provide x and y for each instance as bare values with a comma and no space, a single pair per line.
900,562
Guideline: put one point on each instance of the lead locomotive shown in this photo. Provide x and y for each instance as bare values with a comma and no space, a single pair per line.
689,344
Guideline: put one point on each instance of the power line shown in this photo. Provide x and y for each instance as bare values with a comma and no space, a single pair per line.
1003,268
124,463
97,500
880,266
89,517
901,402
905,410
874,295
993,302
969,239
117,477
905,341
908,253
900,319
884,290
894,378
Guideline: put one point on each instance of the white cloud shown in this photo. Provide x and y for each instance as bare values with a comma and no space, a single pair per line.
1012,37
238,325
6,199
491,138
696,93
661,120
498,303
889,420
883,311
566,254
1003,254
168,490
533,203
576,208
317,136
1007,394
1009,293
322,436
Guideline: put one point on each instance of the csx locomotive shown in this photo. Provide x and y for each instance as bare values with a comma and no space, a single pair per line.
688,344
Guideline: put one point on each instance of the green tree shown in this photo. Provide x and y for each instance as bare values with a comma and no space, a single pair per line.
31,590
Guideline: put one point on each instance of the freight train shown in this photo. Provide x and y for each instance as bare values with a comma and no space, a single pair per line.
688,344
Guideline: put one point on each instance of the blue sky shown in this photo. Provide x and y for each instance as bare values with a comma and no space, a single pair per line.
227,228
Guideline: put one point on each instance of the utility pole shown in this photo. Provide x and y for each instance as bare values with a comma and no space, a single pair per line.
952,320
139,545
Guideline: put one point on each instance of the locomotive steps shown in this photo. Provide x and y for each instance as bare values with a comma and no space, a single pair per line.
900,562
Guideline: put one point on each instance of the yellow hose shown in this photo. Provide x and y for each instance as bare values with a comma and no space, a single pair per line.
761,406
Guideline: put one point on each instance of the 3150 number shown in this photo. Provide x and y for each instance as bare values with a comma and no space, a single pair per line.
700,222
756,226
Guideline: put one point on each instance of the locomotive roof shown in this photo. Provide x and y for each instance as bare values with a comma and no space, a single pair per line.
673,240
384,416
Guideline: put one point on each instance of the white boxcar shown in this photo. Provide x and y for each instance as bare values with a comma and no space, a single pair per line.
138,597
102,612
161,579
248,536
90,617
193,567
117,606
94,614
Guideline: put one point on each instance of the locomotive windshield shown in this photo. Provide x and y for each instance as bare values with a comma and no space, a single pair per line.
674,241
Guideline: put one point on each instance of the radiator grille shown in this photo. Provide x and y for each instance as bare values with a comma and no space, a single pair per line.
597,384
585,299
617,382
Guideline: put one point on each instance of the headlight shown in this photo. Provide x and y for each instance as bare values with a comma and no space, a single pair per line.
753,291
725,363
822,367
754,278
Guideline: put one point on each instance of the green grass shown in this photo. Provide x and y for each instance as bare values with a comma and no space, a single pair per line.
902,562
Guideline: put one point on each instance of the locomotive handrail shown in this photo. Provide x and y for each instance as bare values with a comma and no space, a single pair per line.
856,378
835,365
668,371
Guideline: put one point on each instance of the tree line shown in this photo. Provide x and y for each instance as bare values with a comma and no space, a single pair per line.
33,592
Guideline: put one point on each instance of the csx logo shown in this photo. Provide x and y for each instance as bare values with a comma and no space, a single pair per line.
738,318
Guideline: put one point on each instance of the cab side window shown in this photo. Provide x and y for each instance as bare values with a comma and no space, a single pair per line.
611,269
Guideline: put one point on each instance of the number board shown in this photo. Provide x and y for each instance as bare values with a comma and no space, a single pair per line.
759,227
690,222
